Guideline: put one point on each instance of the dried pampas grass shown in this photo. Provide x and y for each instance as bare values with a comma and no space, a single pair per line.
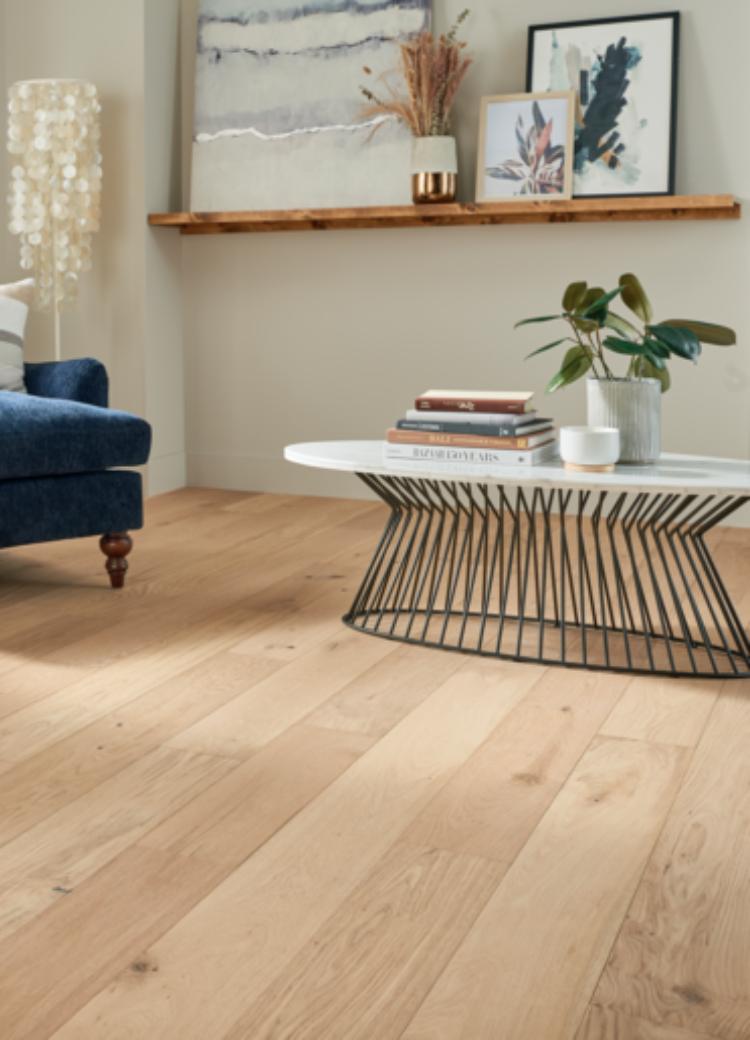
433,70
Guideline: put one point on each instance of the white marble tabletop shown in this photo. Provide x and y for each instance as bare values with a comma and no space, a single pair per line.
676,474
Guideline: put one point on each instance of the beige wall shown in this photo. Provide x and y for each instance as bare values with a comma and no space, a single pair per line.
162,282
303,336
128,314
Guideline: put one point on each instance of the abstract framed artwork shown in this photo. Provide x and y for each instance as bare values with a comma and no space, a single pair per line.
278,114
526,146
625,73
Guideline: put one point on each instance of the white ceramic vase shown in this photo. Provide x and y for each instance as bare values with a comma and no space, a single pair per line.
434,167
633,406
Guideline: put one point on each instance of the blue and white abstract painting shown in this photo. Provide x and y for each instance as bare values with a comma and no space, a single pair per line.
623,71
278,113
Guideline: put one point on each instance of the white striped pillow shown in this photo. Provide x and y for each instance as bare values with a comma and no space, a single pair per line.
14,310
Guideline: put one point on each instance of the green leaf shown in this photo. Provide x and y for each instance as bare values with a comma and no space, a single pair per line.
584,325
575,364
624,346
655,360
682,342
600,304
573,296
595,293
534,321
548,346
621,325
646,370
655,347
719,335
634,297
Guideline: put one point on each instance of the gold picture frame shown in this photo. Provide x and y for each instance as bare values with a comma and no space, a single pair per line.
511,123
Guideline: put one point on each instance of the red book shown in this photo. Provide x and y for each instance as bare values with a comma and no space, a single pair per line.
513,402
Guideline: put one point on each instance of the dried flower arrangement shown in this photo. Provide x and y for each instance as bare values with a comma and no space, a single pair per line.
433,70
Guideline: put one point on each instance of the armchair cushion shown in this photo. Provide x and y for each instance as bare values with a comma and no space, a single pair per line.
83,380
41,437
47,508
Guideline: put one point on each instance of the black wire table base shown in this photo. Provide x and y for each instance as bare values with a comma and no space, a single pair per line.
620,581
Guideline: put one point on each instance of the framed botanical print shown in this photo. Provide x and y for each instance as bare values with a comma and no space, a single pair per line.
624,71
526,147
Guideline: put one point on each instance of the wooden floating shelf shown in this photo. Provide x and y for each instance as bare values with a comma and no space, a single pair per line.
583,211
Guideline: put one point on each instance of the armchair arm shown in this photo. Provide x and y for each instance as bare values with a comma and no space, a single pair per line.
84,380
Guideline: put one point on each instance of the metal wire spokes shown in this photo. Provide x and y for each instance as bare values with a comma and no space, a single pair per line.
590,579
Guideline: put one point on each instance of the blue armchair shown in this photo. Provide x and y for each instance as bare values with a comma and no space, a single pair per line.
61,449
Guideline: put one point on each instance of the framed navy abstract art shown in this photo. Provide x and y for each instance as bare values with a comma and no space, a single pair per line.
625,73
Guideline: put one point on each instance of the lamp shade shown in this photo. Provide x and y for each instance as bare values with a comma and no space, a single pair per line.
56,179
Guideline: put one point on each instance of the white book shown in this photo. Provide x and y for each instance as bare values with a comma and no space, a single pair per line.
482,395
470,457
475,418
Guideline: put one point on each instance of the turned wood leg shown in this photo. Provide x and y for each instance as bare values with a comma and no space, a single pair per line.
116,547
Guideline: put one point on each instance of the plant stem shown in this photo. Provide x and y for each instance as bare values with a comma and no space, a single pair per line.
587,347
607,369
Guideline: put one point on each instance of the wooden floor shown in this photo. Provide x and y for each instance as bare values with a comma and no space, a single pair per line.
224,816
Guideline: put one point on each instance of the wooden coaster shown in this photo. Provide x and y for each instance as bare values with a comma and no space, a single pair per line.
575,468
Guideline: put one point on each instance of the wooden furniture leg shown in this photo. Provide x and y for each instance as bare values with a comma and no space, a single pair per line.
116,547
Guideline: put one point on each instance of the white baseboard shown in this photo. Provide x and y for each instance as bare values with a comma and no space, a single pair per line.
246,473
167,473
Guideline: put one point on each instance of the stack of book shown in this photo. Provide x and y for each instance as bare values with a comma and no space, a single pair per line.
467,428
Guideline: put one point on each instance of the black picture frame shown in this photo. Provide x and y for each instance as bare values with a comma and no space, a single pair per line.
674,17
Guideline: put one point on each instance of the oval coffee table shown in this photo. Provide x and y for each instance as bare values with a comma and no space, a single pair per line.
609,571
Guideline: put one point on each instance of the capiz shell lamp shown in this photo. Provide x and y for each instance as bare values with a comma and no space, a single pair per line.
56,182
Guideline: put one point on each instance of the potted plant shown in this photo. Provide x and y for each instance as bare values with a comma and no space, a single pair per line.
433,70
632,402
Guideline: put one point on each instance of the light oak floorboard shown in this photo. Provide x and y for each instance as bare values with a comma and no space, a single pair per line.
29,729
664,711
100,741
113,627
530,963
608,1025
683,955
62,958
366,970
92,753
120,737
227,950
495,801
49,861
270,706
379,698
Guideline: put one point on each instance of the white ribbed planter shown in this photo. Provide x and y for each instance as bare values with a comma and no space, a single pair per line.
633,406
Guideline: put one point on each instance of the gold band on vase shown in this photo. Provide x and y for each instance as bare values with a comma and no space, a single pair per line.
433,187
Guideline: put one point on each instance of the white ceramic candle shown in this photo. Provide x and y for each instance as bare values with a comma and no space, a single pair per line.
589,446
